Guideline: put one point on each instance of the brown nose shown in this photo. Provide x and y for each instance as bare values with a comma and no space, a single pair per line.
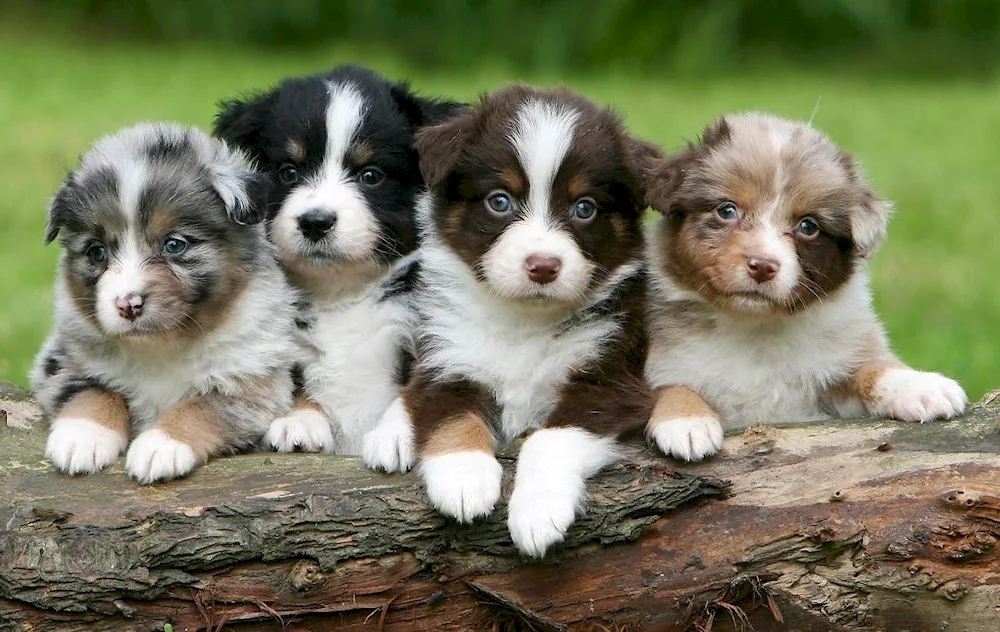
762,269
130,306
542,269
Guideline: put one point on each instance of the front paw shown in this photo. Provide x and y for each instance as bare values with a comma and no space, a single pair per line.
540,513
155,456
82,446
390,446
688,438
909,395
462,485
302,430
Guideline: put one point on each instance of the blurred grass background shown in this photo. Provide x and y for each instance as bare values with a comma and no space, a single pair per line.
909,86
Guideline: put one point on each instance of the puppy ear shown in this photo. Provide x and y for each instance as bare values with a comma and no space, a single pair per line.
869,224
245,195
421,111
59,210
642,159
664,179
241,122
440,147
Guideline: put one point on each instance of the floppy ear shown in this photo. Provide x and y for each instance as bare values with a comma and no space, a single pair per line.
440,147
664,178
59,209
244,194
869,224
641,159
421,111
240,122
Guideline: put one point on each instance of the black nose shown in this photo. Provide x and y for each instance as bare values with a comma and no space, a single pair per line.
316,223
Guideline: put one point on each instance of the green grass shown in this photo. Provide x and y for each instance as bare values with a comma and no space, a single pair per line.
930,147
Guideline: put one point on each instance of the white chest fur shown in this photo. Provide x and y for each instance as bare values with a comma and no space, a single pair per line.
777,370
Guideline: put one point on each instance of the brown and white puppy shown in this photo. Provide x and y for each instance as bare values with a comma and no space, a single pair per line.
759,299
173,321
531,294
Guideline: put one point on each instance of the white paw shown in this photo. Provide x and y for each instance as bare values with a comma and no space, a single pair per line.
909,395
688,438
302,430
462,485
540,512
390,446
82,446
155,456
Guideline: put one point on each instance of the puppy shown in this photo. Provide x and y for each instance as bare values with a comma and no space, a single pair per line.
759,303
531,297
173,321
338,148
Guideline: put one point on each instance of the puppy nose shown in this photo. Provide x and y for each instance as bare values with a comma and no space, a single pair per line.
316,223
130,305
542,269
762,269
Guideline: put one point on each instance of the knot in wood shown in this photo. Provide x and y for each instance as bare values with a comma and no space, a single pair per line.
306,576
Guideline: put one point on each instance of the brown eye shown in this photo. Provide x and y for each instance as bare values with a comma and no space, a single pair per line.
727,212
97,253
371,176
807,227
288,174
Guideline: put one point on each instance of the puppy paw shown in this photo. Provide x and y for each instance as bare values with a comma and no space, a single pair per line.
462,485
390,446
909,395
540,513
155,456
82,446
688,438
302,430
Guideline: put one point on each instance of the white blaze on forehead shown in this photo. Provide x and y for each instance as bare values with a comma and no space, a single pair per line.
344,114
125,275
132,175
543,134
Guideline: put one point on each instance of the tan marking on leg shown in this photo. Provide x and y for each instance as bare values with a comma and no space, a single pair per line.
867,376
103,407
464,433
678,402
304,403
195,423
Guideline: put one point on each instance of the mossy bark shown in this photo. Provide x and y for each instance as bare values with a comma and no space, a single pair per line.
850,525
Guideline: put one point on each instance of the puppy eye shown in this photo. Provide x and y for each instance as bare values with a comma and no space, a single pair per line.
370,176
499,203
174,246
288,174
727,212
584,209
807,227
97,253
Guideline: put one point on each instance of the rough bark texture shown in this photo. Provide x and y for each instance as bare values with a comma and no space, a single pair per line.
852,525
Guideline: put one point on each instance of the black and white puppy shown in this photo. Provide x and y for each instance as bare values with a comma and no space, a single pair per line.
173,321
531,295
338,148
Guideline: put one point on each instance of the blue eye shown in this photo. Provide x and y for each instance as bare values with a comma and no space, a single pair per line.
807,227
727,212
500,203
174,246
584,209
97,253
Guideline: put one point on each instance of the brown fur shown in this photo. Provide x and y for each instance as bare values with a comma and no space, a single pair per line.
197,424
296,150
103,407
676,402
432,404
466,432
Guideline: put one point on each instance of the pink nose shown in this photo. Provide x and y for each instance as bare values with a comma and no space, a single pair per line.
542,269
762,269
130,305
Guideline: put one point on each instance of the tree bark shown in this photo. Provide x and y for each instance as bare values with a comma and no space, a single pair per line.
866,525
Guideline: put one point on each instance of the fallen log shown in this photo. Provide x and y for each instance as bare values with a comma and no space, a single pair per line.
864,525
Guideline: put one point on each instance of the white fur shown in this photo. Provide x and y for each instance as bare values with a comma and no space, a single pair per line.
542,135
305,429
909,395
82,446
355,233
550,484
773,369
124,276
354,352
391,446
155,456
687,438
462,485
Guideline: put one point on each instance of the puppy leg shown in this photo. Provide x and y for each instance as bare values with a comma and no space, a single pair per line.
390,446
306,428
184,438
456,447
683,425
888,388
89,432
